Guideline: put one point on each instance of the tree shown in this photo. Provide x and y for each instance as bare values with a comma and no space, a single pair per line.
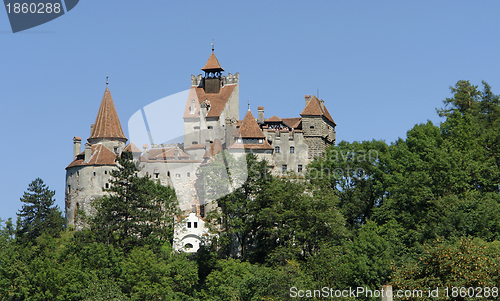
137,211
235,219
466,263
38,214
354,173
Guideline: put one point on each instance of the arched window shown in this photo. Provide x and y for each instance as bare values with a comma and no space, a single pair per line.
292,149
277,149
188,246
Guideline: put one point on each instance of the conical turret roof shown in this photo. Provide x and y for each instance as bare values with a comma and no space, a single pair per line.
107,124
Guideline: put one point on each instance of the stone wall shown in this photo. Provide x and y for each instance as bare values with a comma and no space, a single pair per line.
84,184
316,145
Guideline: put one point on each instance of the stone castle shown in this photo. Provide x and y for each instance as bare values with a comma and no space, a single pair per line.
211,124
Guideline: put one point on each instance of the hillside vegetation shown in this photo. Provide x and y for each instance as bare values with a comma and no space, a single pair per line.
419,213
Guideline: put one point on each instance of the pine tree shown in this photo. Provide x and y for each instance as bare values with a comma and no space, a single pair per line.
136,212
38,215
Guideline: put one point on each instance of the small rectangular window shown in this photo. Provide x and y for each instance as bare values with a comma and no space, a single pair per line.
299,168
107,185
283,168
189,224
195,225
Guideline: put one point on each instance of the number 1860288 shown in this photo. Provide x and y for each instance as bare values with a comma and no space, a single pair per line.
34,8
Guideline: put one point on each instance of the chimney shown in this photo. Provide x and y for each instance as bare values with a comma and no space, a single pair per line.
144,148
260,118
176,155
91,129
77,146
203,120
307,97
87,152
322,103
229,132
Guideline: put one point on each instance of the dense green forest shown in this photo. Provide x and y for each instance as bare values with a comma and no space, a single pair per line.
419,213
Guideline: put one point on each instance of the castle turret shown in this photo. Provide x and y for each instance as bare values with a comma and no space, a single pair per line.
107,128
212,79
318,126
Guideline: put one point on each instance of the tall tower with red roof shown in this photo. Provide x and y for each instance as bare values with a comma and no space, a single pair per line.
89,172
213,99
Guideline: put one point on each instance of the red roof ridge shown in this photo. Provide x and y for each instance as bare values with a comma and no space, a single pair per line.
274,118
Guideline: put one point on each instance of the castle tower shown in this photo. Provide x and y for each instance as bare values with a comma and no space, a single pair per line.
318,126
90,170
212,99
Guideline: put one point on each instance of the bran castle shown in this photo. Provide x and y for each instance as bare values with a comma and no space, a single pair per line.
211,124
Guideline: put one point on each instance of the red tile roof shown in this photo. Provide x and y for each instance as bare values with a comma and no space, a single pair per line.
107,124
274,119
216,147
164,153
217,101
212,64
292,122
250,128
313,108
131,147
100,155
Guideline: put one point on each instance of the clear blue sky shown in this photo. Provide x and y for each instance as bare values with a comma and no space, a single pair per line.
380,66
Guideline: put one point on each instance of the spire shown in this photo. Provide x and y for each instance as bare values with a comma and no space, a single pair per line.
107,124
212,64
